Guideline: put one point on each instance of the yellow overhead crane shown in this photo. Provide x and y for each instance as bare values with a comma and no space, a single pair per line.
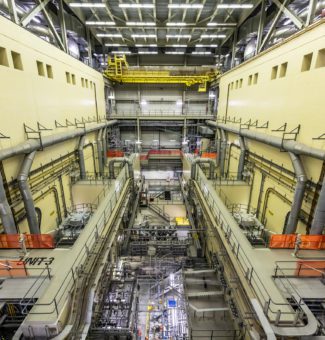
118,71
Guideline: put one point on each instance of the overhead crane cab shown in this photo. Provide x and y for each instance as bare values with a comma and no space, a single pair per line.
118,70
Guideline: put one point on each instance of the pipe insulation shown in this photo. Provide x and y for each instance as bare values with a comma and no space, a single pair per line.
241,162
287,145
7,218
82,165
100,152
26,193
298,195
29,146
223,150
122,160
202,161
318,223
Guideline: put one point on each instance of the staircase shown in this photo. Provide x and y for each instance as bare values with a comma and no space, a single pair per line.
159,212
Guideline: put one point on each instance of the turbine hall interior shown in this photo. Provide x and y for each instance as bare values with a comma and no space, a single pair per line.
162,169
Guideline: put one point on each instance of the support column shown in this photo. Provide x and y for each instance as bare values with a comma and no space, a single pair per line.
63,27
13,11
90,54
234,48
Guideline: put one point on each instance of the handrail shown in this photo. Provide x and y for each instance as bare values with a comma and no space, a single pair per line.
247,268
162,113
69,280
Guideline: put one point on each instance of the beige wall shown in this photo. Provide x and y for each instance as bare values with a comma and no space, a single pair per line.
28,97
295,97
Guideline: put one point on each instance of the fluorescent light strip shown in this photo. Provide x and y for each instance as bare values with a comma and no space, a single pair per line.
100,23
120,52
185,6
229,24
143,45
176,45
144,36
176,24
234,6
87,4
109,35
114,45
213,45
174,52
136,5
181,36
203,36
203,52
137,23
147,52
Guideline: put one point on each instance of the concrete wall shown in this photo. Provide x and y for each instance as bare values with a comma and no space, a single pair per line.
40,83
292,95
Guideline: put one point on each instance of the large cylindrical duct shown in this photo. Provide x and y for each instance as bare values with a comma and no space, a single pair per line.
81,155
318,223
202,161
26,194
298,195
223,150
100,151
122,160
7,218
241,162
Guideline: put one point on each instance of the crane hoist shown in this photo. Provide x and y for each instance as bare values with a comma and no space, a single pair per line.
118,70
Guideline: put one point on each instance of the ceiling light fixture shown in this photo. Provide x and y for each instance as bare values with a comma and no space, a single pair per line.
175,52
136,5
140,23
213,45
87,4
142,45
185,6
203,52
176,24
176,45
225,24
235,6
109,35
113,45
100,23
144,36
147,52
204,36
180,36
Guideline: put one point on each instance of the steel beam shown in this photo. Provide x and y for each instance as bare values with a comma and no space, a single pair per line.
260,27
287,12
90,54
311,11
13,11
63,27
52,28
272,27
233,50
25,20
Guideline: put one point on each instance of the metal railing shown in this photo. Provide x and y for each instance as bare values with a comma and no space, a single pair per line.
92,178
270,306
202,114
294,269
67,284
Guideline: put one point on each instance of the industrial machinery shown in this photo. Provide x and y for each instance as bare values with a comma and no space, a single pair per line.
119,71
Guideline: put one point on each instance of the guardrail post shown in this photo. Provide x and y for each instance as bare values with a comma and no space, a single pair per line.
72,272
56,307
278,316
266,307
48,271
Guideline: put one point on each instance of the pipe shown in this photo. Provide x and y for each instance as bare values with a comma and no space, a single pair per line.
82,166
200,161
318,223
7,218
287,145
100,152
104,145
218,141
298,195
223,149
26,194
122,160
241,162
33,145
